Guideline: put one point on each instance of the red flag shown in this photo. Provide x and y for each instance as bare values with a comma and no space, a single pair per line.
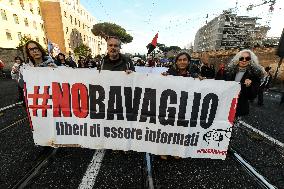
151,46
154,41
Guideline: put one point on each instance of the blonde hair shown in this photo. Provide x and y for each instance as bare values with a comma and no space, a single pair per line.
254,62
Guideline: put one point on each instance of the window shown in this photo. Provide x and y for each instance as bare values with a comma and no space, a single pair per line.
3,14
79,23
37,39
19,36
71,20
65,14
16,19
83,26
8,35
34,25
38,11
66,30
26,22
22,4
44,40
42,27
75,21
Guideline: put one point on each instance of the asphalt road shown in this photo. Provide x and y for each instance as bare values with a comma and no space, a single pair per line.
127,170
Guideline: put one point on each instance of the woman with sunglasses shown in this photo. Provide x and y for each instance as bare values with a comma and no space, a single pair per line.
245,69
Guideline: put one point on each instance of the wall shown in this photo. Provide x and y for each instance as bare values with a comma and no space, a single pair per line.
8,55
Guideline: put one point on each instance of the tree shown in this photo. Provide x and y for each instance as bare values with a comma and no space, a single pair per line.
106,29
22,43
82,50
166,49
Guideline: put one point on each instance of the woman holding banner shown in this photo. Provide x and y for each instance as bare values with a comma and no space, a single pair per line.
245,68
183,68
37,58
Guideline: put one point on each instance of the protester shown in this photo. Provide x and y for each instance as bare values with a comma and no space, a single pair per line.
220,75
114,60
2,65
81,62
264,85
37,55
206,70
71,59
15,75
245,68
282,98
181,67
90,63
61,61
37,58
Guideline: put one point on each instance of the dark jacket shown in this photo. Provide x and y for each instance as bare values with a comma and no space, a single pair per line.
122,64
192,71
246,93
207,72
67,64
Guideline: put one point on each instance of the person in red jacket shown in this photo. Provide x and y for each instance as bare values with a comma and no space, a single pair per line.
2,65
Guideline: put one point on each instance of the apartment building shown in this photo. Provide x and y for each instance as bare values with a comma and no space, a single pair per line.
68,24
20,18
229,31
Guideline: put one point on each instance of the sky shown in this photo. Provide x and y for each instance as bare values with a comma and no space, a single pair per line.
176,21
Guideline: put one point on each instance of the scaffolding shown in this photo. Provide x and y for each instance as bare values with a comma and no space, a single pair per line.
229,31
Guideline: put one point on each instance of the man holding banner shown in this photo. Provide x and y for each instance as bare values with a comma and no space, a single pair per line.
114,60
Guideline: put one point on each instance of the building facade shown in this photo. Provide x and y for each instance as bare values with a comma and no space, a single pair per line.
229,31
68,24
20,18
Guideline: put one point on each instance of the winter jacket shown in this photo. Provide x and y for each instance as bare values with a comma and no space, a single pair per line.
246,93
47,61
192,71
122,64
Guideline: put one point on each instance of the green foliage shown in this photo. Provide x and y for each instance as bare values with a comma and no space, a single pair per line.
82,50
23,41
165,49
106,29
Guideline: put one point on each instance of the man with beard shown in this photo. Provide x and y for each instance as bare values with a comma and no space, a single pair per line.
114,60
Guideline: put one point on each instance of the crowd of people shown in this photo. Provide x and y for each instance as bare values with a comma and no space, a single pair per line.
244,68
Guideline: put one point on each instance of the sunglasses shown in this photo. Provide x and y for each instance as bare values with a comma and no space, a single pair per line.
245,58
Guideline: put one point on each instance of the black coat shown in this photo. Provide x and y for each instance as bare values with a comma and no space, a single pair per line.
207,72
192,71
246,93
122,64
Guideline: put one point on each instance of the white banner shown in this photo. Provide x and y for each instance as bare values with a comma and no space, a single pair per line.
163,115
156,70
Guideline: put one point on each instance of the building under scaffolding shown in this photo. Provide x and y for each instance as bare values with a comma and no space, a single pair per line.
229,31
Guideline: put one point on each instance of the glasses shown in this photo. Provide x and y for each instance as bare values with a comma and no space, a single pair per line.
34,49
245,58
